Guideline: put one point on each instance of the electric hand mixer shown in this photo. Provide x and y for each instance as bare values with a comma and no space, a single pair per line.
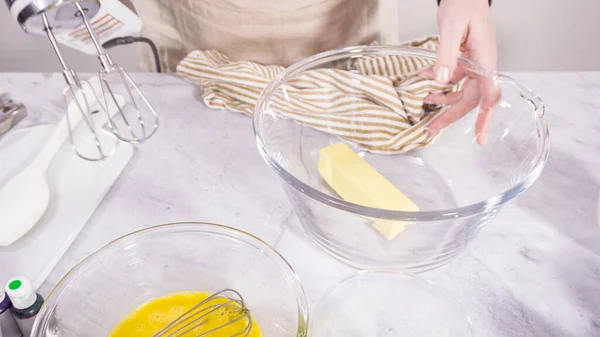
83,24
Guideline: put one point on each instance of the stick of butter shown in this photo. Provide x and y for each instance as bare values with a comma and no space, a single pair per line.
356,181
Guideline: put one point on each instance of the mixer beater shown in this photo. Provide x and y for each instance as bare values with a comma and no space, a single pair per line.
114,79
110,100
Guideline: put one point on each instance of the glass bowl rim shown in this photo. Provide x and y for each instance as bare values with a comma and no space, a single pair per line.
368,272
479,207
66,280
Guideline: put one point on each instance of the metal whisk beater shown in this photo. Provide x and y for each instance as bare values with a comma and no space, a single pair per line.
82,96
226,301
136,120
114,100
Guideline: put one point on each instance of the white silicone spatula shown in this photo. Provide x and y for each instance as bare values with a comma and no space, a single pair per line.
24,199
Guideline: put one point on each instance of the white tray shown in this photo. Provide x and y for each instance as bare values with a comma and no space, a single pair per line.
76,186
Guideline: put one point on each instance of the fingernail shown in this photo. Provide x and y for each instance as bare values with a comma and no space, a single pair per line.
442,75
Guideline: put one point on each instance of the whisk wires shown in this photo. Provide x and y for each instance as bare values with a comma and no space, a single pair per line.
226,308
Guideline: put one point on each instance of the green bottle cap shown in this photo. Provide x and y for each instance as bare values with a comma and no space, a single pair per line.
15,284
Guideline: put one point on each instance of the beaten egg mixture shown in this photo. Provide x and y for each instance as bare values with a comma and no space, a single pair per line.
151,317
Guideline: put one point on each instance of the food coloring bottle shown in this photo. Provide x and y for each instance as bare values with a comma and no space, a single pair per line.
26,303
7,322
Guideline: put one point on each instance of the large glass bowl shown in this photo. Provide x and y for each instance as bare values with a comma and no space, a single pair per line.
389,303
458,184
100,291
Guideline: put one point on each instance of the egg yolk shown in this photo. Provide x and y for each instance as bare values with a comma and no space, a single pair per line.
152,316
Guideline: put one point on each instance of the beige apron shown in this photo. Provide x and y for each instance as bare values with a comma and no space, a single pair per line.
277,32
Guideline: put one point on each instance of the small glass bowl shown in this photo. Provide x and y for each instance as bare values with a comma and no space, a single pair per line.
458,184
106,286
388,303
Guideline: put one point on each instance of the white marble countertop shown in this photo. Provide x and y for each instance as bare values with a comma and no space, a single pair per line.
535,271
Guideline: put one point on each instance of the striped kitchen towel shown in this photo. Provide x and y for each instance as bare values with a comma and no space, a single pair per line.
377,105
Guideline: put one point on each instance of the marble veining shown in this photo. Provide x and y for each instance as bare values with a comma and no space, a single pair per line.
534,271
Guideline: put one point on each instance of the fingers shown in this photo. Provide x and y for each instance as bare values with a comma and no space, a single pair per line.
482,36
439,98
451,115
427,74
452,31
468,101
490,96
459,74
483,50
482,42
482,125
468,29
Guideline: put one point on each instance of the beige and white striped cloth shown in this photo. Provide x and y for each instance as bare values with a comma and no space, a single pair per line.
378,106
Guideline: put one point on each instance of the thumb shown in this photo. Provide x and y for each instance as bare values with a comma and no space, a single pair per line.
451,36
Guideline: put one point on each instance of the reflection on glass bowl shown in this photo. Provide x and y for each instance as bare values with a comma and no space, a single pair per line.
458,184
105,287
388,303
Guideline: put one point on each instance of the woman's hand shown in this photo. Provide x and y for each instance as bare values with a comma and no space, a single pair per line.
465,28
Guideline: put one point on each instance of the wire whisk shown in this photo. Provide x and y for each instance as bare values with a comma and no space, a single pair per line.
224,313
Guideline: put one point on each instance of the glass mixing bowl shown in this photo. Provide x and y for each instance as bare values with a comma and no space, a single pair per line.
458,184
101,290
388,303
